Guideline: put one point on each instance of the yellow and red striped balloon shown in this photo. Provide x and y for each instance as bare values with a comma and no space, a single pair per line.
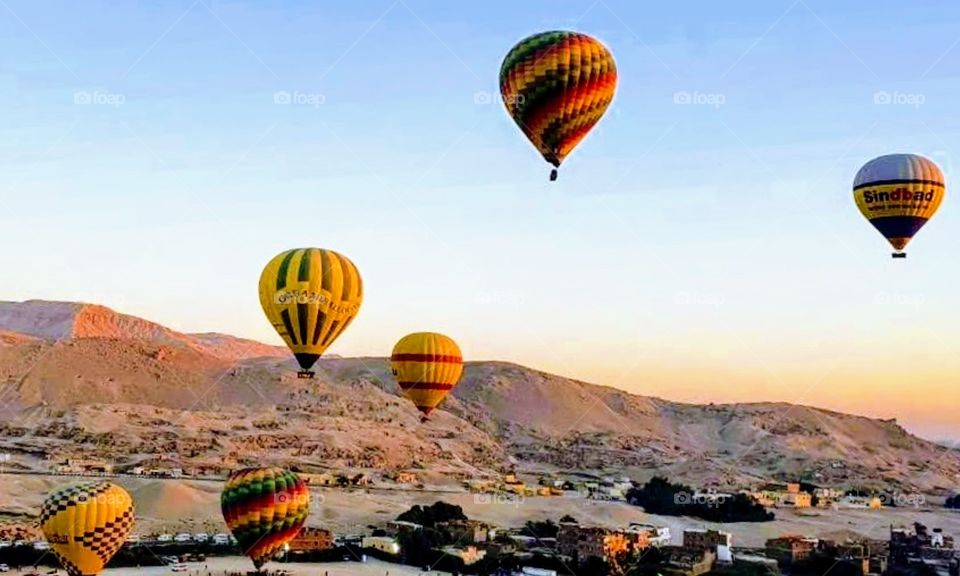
427,367
264,508
556,87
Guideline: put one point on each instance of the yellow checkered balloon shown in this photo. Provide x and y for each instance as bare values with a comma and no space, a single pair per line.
86,524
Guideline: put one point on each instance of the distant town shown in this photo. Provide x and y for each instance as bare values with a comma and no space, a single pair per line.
794,495
442,537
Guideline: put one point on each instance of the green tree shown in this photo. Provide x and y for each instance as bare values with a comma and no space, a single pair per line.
429,516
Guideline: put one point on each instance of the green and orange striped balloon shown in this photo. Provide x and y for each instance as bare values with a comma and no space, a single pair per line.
264,508
556,87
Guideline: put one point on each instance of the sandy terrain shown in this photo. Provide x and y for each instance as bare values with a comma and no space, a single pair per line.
83,381
173,506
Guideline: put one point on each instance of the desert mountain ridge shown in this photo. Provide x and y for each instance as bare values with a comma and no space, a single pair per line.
83,381
57,321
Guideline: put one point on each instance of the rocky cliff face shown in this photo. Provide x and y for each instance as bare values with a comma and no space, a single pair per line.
82,380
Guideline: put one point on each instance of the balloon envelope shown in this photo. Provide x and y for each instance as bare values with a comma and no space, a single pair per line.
310,296
427,366
264,508
556,87
898,194
86,524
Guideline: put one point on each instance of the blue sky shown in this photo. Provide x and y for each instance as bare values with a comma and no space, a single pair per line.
708,251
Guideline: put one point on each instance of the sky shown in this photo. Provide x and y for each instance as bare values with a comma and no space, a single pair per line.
701,245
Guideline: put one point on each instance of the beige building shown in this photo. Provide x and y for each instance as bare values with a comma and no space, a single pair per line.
384,544
785,496
706,539
468,531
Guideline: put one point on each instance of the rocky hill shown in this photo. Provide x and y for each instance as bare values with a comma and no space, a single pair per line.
80,380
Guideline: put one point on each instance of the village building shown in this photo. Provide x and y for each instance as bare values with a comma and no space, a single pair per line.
405,478
312,539
828,497
384,544
397,527
789,549
583,542
858,503
655,535
514,485
789,495
468,531
921,545
324,479
84,466
480,485
686,561
706,539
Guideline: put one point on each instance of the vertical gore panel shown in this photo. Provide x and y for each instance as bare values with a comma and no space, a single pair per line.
284,267
304,273
285,315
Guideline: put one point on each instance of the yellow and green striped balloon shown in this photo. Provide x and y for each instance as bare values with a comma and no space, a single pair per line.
556,87
310,296
427,367
86,524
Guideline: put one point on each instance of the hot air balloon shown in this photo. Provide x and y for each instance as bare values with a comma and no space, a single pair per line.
86,524
898,193
264,508
556,87
310,295
427,366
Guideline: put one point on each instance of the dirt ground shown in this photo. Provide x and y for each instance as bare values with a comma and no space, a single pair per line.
175,506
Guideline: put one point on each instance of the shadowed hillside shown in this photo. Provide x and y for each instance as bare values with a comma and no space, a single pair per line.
83,380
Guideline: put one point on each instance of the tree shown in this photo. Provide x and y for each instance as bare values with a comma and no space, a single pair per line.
541,529
659,496
429,516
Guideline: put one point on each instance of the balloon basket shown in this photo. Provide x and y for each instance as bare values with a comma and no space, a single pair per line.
553,175
899,255
305,375
424,419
